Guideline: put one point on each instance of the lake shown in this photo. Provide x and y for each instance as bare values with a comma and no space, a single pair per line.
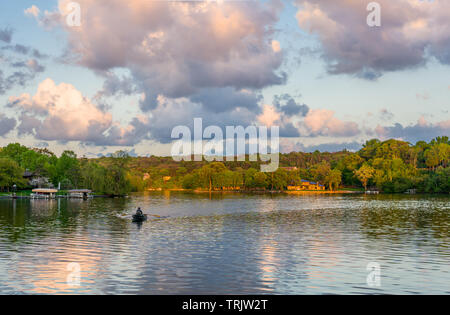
227,243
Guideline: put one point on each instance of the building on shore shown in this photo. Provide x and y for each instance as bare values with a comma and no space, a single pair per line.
43,193
372,191
306,185
290,168
35,180
80,193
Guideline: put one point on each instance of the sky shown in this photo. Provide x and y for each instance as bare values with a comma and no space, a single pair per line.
131,71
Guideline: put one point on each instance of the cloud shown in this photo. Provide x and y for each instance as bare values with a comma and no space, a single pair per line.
18,48
297,120
19,66
22,73
42,144
272,116
32,64
269,116
32,11
220,100
386,115
422,130
289,106
62,113
288,146
180,49
117,85
24,50
6,35
6,124
321,122
411,31
162,119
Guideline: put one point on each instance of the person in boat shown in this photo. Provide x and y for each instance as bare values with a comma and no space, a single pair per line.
139,212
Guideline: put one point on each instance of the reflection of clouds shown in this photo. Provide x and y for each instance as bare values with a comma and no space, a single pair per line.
269,263
234,245
45,271
268,205
323,255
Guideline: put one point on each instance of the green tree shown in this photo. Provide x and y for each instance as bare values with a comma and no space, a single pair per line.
432,157
369,149
278,179
190,181
334,179
136,181
10,174
209,171
347,165
117,182
249,178
94,177
68,167
260,180
364,174
14,151
320,172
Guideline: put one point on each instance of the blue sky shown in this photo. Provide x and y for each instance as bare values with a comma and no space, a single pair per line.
165,68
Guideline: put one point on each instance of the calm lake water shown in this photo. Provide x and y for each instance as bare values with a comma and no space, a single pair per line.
227,244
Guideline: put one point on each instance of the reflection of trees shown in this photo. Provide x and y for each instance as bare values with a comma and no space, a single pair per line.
27,219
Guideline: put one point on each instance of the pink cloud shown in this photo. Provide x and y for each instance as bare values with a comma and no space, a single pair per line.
269,116
323,122
61,112
175,49
410,32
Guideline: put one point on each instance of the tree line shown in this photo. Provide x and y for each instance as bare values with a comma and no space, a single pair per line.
67,171
390,166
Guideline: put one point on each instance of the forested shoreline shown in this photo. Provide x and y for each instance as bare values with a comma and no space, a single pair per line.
390,166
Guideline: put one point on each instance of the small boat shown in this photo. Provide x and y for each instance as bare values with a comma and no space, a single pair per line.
139,217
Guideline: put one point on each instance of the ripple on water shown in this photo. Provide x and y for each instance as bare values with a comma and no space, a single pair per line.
227,244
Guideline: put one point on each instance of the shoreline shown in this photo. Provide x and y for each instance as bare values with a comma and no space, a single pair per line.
198,191
258,191
293,192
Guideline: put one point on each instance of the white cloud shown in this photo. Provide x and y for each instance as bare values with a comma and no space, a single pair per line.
322,122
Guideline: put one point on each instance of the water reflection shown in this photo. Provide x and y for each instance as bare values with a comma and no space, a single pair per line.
226,243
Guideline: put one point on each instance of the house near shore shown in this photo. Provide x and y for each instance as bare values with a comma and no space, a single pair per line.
35,180
290,168
227,188
306,185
